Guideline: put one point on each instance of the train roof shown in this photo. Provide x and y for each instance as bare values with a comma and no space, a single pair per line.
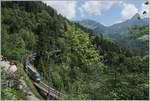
32,68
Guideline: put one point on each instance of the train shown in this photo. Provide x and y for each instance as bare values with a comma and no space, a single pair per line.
33,73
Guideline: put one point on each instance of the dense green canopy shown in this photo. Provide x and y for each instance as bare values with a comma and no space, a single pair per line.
88,66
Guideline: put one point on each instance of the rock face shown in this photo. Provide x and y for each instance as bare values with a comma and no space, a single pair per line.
13,68
8,67
116,28
9,71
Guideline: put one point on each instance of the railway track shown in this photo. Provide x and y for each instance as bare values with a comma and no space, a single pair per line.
48,90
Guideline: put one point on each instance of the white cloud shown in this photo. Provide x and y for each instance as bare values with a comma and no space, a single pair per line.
66,8
144,8
129,10
96,7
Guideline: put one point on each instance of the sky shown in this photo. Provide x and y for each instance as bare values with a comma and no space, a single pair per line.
106,12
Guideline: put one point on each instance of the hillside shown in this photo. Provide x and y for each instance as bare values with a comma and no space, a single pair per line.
76,61
137,39
38,28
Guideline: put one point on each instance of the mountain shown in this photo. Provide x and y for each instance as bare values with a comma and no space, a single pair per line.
116,28
93,25
75,61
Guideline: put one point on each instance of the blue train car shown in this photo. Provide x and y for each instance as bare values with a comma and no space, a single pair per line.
33,74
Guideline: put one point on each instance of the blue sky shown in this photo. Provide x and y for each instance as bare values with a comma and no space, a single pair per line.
107,12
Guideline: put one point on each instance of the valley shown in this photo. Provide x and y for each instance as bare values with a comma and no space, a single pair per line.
83,60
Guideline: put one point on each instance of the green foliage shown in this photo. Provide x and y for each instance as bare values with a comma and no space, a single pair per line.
29,38
126,75
137,39
12,94
138,31
88,66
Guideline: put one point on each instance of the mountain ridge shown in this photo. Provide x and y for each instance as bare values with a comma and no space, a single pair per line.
115,28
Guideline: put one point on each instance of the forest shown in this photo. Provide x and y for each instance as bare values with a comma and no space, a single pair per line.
89,66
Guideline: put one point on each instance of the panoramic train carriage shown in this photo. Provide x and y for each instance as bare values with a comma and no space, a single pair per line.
33,74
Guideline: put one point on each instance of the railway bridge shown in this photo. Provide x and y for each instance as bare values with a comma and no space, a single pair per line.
48,91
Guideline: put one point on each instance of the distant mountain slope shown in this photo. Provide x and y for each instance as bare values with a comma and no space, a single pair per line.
93,25
116,28
136,39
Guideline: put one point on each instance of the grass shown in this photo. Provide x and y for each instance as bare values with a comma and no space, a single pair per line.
28,81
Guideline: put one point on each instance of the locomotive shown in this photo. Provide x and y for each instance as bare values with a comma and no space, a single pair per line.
33,73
